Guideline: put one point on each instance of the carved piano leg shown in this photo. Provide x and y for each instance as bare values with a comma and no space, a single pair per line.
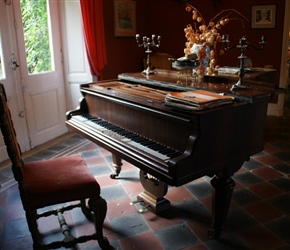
152,197
117,164
221,199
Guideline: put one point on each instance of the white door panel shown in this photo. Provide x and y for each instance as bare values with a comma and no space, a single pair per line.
44,94
9,77
37,101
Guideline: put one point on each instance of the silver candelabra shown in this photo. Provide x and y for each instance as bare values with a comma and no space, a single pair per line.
243,45
147,43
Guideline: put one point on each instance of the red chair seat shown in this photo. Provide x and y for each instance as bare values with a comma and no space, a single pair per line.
72,180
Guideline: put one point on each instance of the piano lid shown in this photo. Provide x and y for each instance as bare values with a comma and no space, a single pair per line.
170,80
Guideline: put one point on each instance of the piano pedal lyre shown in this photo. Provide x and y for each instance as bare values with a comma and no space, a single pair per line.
152,197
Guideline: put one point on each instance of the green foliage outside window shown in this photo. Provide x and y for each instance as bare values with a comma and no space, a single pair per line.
36,35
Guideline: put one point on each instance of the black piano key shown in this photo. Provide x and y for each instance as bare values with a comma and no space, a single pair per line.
146,143
119,130
95,119
124,132
137,138
102,123
166,151
111,127
141,141
156,146
173,154
131,136
97,122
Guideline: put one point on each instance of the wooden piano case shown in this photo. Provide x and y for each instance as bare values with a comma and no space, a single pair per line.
213,142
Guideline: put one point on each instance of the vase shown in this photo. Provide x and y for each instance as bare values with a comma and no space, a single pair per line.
203,54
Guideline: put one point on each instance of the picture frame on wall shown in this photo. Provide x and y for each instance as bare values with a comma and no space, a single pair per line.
263,16
125,18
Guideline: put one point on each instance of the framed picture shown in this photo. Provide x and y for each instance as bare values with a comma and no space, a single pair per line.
125,17
263,16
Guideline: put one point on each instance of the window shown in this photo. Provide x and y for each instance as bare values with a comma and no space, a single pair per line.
36,28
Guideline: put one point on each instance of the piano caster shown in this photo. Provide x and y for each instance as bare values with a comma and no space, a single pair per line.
114,176
117,164
214,234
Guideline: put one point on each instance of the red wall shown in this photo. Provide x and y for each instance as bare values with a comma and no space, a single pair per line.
168,18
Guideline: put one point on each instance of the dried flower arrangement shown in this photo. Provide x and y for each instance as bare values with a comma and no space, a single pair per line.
207,35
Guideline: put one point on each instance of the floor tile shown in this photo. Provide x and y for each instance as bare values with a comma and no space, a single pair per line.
268,160
265,190
247,178
282,167
18,244
284,156
270,149
113,192
252,164
282,183
143,241
176,237
282,202
281,228
200,228
162,220
267,173
263,211
129,225
191,210
14,229
120,207
200,189
259,237
244,196
228,242
179,194
239,220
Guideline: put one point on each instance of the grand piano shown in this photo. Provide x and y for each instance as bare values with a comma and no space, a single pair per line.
170,145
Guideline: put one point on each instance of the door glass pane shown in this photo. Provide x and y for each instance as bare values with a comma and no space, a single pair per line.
36,28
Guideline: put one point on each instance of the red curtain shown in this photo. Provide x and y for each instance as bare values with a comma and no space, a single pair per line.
93,25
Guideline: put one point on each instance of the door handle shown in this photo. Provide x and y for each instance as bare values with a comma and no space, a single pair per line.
14,64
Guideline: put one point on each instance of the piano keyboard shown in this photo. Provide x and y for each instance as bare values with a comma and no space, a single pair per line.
146,145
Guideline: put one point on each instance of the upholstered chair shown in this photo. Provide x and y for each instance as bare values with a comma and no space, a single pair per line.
52,187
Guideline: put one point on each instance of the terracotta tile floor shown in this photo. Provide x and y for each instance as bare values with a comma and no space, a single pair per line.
259,215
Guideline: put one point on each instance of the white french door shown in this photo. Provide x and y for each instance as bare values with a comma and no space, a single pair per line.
9,77
33,78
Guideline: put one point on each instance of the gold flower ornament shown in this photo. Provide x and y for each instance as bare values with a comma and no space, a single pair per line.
208,35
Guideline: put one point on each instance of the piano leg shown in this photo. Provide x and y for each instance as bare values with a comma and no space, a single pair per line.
152,197
117,164
221,199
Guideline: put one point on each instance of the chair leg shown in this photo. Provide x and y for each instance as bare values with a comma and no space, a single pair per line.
99,206
33,227
86,211
31,218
